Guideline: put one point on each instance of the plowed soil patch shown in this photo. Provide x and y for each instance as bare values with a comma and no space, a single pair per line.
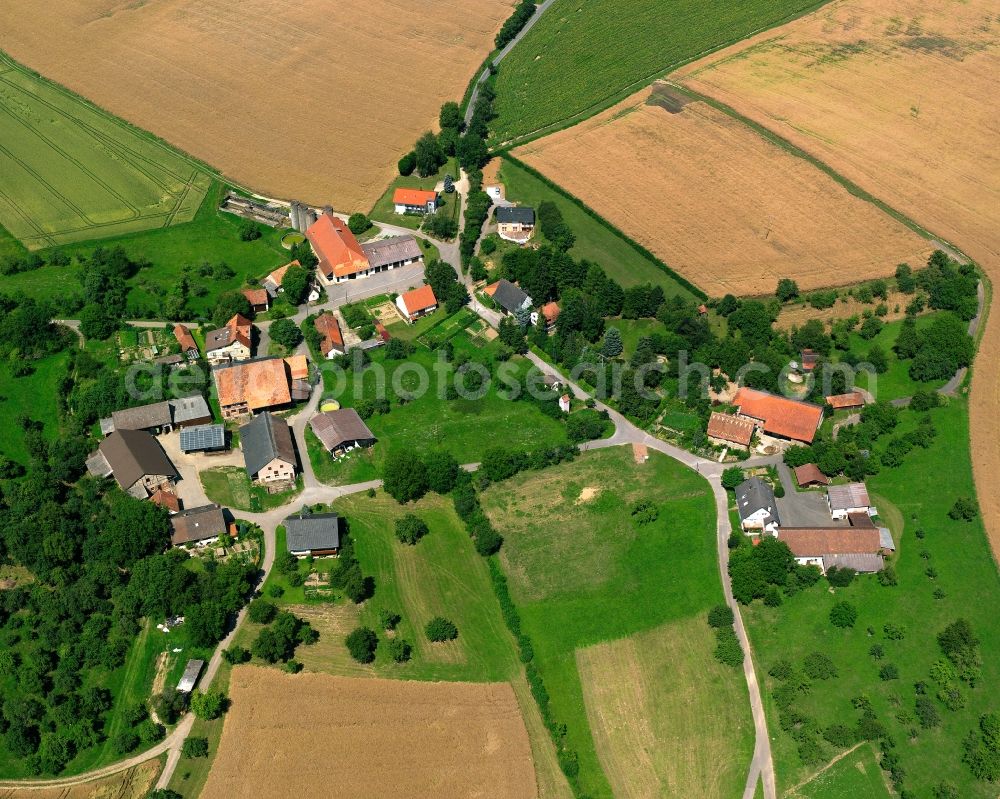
317,735
313,100
723,206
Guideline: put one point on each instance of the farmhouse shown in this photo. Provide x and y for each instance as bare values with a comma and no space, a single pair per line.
341,431
254,386
269,451
391,253
331,342
724,428
550,312
414,201
197,525
316,534
190,677
160,417
137,462
508,297
848,401
340,256
860,549
203,438
778,416
515,222
809,475
189,347
847,499
259,299
417,302
757,507
229,343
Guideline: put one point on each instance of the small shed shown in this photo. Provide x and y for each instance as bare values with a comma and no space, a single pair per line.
190,677
808,474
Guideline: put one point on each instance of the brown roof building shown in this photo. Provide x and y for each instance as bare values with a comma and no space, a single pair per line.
253,386
136,460
779,416
734,429
166,498
417,302
331,342
840,402
340,256
196,525
818,545
259,299
189,347
809,475
341,430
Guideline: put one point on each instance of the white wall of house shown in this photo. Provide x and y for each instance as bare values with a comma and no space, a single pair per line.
236,351
277,471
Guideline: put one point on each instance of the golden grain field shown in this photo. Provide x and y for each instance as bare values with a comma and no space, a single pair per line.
312,100
318,735
727,209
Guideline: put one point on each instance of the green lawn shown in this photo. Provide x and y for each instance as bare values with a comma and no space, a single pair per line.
355,467
564,68
896,382
594,241
73,172
36,395
582,573
917,495
632,330
212,237
465,427
9,246
856,775
384,211
231,487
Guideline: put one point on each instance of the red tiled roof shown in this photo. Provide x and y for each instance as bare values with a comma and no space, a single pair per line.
550,311
413,197
338,251
809,473
278,274
806,542
490,290
261,384
329,328
809,359
418,299
730,428
257,297
853,399
166,499
382,332
780,416
184,338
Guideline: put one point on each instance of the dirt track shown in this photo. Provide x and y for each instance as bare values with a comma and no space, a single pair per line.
900,97
720,204
310,99
317,735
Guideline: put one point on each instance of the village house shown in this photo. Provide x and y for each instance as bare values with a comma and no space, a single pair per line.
391,253
341,431
229,343
414,201
515,222
725,429
757,507
844,402
136,461
809,359
269,452
779,417
509,298
417,302
312,534
331,342
550,313
808,475
203,438
197,525
258,385
843,547
189,347
847,499
340,256
272,283
259,299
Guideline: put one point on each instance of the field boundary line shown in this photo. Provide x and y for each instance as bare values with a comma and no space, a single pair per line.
26,217
620,94
639,248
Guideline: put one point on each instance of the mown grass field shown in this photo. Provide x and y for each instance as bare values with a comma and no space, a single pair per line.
594,241
584,575
73,172
923,489
230,486
211,237
855,775
565,68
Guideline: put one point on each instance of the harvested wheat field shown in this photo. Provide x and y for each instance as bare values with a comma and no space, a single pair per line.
899,96
724,207
133,783
318,735
313,100
667,718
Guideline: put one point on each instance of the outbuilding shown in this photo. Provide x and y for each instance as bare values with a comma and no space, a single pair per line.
316,534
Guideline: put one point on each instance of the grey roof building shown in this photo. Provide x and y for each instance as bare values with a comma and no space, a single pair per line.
136,460
190,410
266,438
201,438
510,297
342,429
145,417
312,534
392,252
190,677
515,215
197,524
756,504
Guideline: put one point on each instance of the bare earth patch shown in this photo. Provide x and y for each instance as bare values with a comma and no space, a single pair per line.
797,315
719,203
588,494
318,735
310,100
133,783
899,96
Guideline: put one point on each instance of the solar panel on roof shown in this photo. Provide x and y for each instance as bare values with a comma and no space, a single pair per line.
208,436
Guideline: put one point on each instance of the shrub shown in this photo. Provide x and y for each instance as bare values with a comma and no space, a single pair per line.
927,712
399,650
260,611
840,577
441,629
388,619
362,643
964,509
195,747
124,742
209,705
843,614
235,655
888,672
727,648
644,512
818,666
840,735
772,596
407,164
358,223
782,670
732,477
410,528
249,231
721,616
